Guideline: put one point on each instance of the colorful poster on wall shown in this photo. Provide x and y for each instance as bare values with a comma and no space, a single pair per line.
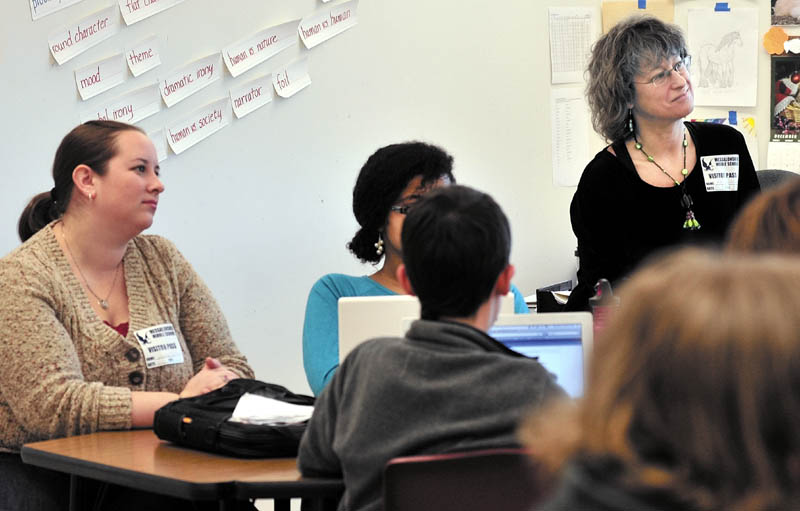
724,49
785,114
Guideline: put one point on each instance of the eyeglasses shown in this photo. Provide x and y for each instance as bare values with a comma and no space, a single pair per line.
405,204
681,67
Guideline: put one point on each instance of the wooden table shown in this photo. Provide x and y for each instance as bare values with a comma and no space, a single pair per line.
138,459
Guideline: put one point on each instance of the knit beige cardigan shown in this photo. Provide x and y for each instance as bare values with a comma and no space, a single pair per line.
63,371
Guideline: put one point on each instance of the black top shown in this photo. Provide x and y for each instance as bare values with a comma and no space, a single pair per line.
619,219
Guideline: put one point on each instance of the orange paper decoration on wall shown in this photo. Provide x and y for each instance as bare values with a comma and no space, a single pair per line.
774,39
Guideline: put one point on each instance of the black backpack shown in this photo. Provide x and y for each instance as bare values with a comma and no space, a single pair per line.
202,422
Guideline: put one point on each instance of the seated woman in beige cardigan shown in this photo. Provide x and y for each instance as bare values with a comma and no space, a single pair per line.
101,325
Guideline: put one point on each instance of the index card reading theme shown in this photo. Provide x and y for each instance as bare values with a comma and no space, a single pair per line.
41,8
190,78
73,40
143,56
137,10
200,124
248,53
329,22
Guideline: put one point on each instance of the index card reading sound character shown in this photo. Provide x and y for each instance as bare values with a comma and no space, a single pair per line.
75,39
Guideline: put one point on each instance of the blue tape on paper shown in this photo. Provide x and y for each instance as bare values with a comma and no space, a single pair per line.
732,118
721,7
642,4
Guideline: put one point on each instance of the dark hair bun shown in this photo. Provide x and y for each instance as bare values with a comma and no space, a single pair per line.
363,245
40,211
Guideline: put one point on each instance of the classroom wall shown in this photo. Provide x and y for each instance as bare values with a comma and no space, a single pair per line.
262,208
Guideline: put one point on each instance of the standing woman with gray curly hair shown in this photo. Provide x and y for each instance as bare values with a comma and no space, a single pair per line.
661,181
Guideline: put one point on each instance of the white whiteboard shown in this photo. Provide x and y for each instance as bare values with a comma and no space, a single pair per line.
263,207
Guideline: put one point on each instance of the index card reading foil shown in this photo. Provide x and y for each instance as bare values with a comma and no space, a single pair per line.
199,125
75,39
191,78
329,22
144,56
248,53
292,79
131,107
137,10
41,8
252,95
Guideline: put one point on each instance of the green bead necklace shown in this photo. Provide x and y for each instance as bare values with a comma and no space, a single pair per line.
691,222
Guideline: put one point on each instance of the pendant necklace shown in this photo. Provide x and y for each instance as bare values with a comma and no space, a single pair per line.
100,301
691,223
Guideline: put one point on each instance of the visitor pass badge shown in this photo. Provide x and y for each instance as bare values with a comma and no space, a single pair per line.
721,172
160,345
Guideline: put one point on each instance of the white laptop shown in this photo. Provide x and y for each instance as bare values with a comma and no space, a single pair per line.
560,341
366,317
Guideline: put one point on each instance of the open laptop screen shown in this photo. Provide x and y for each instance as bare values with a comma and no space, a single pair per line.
558,347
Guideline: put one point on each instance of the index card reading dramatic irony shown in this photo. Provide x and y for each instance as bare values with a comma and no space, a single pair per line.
570,135
572,31
191,78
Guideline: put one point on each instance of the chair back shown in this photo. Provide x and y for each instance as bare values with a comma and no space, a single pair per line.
472,481
767,178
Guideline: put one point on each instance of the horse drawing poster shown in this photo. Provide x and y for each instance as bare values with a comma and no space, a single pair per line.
724,48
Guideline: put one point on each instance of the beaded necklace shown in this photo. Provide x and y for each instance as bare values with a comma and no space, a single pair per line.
691,222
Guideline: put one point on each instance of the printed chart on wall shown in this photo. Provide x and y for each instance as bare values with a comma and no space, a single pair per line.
724,49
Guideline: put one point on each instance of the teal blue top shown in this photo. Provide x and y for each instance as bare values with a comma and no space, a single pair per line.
321,325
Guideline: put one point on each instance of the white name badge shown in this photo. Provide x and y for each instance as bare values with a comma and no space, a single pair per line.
160,345
721,172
